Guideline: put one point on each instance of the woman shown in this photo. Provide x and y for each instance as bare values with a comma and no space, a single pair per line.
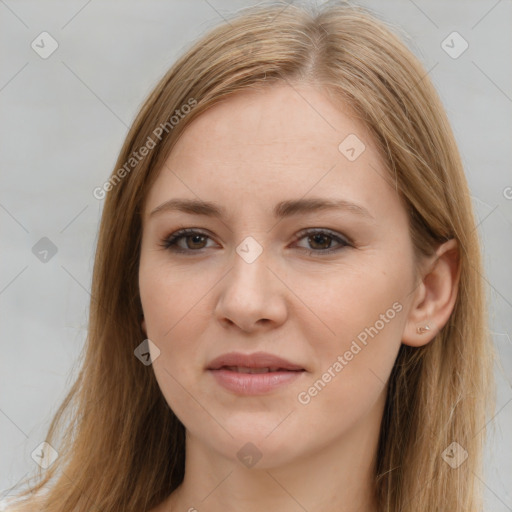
287,307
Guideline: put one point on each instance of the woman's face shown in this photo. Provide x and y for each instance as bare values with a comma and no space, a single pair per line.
326,289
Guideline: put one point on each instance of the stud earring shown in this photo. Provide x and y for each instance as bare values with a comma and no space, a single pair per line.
423,329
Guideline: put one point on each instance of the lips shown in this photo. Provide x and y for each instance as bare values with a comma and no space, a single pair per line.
258,362
259,373
253,374
244,369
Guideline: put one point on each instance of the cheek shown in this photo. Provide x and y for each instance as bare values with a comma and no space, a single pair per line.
171,297
365,315
363,302
168,304
352,370
172,301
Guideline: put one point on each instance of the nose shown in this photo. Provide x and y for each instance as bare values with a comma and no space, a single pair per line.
251,296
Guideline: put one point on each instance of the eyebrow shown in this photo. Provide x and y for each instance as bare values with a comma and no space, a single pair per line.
281,210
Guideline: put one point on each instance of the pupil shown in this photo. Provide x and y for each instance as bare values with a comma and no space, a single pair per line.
321,237
195,238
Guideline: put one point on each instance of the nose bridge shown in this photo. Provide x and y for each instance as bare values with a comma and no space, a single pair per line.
250,291
249,272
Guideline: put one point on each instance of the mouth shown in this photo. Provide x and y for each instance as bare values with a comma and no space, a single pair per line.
260,362
252,370
253,374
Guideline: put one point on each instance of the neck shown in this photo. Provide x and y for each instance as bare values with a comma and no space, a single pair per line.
340,477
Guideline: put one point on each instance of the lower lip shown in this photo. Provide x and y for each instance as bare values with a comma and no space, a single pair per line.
254,383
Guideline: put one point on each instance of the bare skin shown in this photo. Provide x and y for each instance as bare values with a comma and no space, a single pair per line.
317,449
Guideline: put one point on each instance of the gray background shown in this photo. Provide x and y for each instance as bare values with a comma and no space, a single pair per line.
65,118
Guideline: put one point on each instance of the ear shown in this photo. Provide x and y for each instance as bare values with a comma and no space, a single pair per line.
435,296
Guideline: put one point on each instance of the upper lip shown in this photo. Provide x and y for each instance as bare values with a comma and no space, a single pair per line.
255,360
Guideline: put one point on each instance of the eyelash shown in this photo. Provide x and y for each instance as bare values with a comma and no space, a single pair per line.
170,242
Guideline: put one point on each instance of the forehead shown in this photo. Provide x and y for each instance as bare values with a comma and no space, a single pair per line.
273,144
298,118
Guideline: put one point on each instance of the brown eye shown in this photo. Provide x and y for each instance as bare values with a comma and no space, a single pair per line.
194,241
320,242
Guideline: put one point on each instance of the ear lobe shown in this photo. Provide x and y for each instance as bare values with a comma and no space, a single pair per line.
435,296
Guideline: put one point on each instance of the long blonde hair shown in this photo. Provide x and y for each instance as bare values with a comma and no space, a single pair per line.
121,448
